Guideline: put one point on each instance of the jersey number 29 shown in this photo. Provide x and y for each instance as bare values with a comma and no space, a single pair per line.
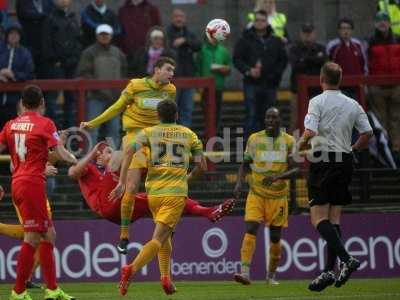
20,147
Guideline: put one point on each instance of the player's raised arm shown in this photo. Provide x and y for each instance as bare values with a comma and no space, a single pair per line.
76,171
110,112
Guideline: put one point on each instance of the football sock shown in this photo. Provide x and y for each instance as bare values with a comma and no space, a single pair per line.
36,262
194,208
48,265
275,251
331,255
146,255
247,251
12,231
127,203
24,266
164,258
330,235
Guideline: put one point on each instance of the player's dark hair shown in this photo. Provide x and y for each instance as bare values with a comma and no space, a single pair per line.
345,21
32,96
166,110
261,12
332,73
162,60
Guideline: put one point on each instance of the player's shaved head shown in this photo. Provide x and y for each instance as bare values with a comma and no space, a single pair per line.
272,121
331,74
32,97
167,111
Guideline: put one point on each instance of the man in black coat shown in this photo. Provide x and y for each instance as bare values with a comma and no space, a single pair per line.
184,43
261,58
32,14
93,15
61,53
306,57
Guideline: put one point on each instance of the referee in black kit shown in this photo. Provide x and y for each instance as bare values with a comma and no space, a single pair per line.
328,126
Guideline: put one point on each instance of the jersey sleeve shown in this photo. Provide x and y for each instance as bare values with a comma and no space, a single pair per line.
124,100
362,123
312,119
196,147
51,135
248,155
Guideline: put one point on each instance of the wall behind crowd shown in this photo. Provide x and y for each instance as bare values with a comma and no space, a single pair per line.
323,13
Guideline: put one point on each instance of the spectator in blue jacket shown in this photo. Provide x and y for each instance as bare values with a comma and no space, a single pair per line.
32,14
16,64
94,15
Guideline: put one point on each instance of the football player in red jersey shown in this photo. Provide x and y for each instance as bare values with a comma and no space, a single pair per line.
28,139
98,175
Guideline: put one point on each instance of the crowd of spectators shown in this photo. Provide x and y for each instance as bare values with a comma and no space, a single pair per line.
102,44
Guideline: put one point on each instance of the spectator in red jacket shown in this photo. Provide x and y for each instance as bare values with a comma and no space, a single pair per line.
384,59
137,17
348,52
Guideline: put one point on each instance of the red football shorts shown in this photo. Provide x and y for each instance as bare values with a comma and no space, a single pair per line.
31,201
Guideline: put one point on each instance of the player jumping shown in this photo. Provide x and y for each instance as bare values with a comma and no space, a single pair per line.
138,102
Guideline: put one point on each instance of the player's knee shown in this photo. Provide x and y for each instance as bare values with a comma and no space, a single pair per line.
32,238
275,234
252,227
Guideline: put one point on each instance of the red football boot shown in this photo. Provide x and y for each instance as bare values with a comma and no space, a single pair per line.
168,286
126,273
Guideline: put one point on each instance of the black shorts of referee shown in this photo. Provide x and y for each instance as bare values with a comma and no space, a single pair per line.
329,178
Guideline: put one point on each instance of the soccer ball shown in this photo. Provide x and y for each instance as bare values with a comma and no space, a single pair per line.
218,29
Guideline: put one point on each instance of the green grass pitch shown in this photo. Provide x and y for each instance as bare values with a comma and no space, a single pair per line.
373,289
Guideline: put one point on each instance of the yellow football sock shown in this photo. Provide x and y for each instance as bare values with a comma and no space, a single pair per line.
12,231
247,251
146,255
127,204
164,258
275,250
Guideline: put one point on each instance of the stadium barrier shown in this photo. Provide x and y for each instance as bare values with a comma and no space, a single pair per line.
81,86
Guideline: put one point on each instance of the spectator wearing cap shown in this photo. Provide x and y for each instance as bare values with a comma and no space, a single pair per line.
16,64
348,53
185,44
306,57
93,15
103,61
384,59
32,15
141,62
261,57
137,17
61,50
392,9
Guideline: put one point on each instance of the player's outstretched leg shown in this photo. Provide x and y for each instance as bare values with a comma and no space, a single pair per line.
214,213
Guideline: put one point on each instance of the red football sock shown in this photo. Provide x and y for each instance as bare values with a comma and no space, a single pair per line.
194,208
24,266
48,265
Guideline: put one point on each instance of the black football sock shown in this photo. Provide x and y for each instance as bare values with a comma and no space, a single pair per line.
331,236
331,255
